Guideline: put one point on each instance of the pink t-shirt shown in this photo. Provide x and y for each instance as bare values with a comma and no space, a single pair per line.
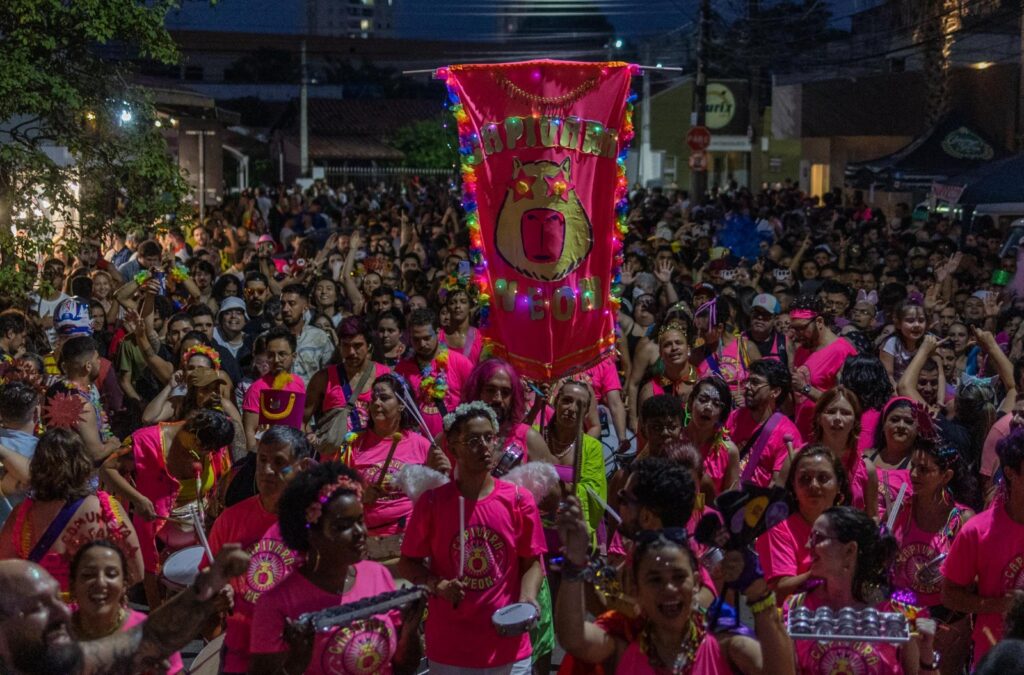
868,422
824,366
828,658
889,483
857,475
989,458
783,549
917,548
387,515
251,402
334,394
709,660
989,551
133,620
471,348
730,365
502,528
247,523
363,647
457,372
742,425
603,378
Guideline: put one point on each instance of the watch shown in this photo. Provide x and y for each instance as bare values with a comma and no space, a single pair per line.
934,665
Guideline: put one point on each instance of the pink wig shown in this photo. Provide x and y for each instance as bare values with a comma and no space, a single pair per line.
484,371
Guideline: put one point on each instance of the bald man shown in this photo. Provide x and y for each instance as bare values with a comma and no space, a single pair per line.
34,623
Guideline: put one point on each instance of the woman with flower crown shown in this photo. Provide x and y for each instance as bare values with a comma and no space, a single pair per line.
199,383
321,516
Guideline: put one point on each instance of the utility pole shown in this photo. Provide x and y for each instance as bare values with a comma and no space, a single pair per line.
304,116
699,179
645,123
753,47
201,135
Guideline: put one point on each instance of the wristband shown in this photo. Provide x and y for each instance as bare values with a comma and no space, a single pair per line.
572,572
934,665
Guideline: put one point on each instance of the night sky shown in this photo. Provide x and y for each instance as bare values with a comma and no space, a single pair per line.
468,19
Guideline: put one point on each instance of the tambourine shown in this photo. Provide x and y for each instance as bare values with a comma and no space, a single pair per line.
515,619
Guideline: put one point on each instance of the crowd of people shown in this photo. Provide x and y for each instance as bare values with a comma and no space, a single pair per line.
304,377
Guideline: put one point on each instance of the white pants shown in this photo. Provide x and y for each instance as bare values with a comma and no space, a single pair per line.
522,667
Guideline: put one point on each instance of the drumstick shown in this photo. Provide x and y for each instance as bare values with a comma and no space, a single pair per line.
395,438
198,524
462,535
603,504
790,452
896,507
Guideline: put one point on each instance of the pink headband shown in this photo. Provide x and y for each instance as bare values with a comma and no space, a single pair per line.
315,510
803,314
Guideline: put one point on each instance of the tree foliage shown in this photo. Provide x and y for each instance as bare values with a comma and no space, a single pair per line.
66,153
428,144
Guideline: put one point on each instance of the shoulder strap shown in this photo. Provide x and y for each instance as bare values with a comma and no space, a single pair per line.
53,531
757,444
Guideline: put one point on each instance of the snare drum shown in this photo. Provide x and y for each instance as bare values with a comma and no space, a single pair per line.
515,619
384,548
207,661
182,567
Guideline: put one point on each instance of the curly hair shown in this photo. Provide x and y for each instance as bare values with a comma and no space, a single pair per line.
212,427
875,552
662,405
665,488
60,467
303,491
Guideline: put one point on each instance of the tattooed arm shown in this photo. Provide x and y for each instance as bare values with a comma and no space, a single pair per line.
170,627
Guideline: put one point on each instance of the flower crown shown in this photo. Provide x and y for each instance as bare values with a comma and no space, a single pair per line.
672,325
202,350
454,283
316,509
472,409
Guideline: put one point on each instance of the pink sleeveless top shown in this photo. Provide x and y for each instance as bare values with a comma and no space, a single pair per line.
730,364
917,548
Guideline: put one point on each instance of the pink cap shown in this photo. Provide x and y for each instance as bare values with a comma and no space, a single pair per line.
265,239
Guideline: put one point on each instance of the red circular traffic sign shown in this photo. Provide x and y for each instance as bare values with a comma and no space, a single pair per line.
698,138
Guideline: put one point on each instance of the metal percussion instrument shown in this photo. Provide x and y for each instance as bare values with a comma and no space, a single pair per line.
182,567
515,619
847,625
342,615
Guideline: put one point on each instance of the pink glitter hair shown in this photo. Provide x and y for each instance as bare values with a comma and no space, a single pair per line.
483,372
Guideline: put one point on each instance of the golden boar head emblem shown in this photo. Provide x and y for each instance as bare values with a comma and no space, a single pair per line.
543,231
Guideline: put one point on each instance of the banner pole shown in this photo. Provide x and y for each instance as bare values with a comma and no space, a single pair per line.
433,71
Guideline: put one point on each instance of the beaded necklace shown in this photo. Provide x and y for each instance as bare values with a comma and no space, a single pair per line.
687,657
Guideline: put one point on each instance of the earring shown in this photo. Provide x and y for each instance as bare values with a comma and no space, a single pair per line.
316,565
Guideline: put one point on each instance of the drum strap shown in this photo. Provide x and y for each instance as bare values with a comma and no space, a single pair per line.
42,547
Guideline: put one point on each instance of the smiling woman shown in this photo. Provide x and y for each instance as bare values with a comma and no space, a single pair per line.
99,587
